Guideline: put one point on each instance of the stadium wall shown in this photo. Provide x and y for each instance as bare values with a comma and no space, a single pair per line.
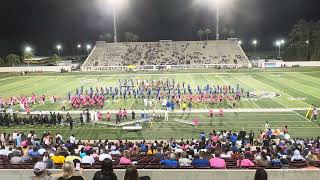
35,69
303,63
188,174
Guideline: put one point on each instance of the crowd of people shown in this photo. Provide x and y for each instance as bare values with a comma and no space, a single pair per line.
174,54
164,91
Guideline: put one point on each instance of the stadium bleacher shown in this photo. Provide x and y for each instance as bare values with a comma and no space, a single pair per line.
167,53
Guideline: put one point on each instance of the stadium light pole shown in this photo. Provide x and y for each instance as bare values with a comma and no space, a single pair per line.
114,11
58,48
88,48
308,48
79,46
217,25
255,42
28,49
279,43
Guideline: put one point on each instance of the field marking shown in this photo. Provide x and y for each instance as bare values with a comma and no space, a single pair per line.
6,78
253,89
318,97
279,90
298,75
132,103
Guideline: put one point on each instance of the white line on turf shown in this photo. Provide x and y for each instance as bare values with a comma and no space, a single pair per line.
6,78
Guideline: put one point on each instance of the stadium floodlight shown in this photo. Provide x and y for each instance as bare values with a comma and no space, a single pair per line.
58,48
115,4
79,46
307,42
239,42
88,48
28,49
278,44
255,42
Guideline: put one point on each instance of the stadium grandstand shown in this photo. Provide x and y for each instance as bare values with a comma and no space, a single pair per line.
227,53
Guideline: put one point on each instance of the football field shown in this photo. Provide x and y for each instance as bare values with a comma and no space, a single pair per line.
291,90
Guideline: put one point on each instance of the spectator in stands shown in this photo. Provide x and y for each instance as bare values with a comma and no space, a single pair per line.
245,162
132,174
261,174
125,160
57,158
40,171
3,151
263,161
87,159
296,156
217,162
171,161
72,156
201,161
68,172
104,155
184,161
106,172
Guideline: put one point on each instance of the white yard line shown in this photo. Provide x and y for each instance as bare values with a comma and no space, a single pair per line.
6,78
249,98
282,91
292,87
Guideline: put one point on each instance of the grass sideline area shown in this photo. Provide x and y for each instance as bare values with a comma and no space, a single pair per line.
298,88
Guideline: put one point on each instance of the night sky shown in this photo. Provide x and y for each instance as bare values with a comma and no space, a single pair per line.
44,23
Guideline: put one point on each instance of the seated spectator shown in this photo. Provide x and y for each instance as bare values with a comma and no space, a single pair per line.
58,159
16,159
72,156
170,162
104,155
217,162
261,174
125,160
40,171
3,151
158,154
68,172
296,156
226,154
132,174
87,159
106,172
263,161
184,161
246,162
201,161
47,160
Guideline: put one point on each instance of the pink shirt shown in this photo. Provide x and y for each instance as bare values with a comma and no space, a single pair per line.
246,163
217,163
124,160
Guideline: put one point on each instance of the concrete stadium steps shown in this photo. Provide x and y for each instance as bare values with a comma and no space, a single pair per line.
169,53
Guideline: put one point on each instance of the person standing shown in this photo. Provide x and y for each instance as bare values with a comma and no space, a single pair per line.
166,116
81,119
314,114
251,137
133,114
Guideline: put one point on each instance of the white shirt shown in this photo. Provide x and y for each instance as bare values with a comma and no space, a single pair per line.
105,156
41,151
87,159
4,152
72,140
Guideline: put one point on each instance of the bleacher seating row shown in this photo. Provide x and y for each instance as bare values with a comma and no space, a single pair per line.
144,162
168,53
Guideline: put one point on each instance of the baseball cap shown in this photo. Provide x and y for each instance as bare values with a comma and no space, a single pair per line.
40,166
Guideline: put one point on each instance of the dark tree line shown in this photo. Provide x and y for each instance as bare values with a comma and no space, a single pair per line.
303,42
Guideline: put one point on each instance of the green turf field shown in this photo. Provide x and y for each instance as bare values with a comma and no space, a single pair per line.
298,88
